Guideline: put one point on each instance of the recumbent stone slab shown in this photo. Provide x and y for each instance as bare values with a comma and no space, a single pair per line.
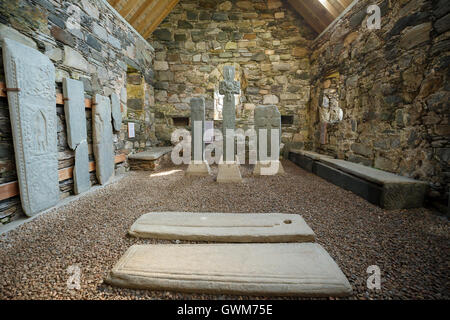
103,139
33,121
74,110
223,227
278,269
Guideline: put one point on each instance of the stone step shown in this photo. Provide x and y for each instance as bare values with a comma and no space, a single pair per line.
385,189
282,269
223,227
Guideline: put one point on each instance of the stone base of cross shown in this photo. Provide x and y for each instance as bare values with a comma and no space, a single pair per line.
268,168
198,169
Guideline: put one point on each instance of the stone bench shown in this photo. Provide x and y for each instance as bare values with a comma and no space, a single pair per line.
387,190
148,160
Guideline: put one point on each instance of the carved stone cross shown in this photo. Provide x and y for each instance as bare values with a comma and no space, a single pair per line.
228,88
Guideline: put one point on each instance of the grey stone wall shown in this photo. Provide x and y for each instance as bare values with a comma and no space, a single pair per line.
393,88
266,41
86,41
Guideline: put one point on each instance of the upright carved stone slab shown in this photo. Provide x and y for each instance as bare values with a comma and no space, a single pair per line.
33,122
228,88
229,169
116,113
268,120
74,110
103,140
198,166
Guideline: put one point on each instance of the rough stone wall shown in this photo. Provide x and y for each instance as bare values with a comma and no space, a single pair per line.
267,42
98,51
393,88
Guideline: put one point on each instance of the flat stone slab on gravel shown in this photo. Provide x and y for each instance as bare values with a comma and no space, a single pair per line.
281,269
223,227
152,154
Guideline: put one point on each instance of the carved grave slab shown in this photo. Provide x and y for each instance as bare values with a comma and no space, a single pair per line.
103,139
279,269
33,122
74,110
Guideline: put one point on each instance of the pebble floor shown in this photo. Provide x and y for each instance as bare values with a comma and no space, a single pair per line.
411,247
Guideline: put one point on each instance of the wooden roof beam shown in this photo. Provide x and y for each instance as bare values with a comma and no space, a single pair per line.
128,7
158,18
140,11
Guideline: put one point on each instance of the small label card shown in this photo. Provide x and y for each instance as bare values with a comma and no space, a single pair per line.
131,130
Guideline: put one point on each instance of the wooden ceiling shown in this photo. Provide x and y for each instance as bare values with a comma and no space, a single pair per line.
319,14
146,15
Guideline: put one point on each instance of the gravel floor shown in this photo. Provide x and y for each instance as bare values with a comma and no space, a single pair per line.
410,246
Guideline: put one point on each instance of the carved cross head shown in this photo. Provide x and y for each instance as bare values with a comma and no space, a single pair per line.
229,87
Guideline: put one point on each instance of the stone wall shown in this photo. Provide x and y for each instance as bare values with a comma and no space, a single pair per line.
267,42
87,41
393,89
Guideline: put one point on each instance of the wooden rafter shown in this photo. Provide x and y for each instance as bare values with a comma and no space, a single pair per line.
160,17
319,14
128,7
140,11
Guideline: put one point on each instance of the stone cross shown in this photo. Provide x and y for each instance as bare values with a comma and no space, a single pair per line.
228,88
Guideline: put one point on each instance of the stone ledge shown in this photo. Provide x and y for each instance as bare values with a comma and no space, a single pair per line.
385,189
152,154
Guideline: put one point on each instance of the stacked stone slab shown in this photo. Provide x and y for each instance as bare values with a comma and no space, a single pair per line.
74,110
30,79
229,166
103,140
149,160
267,123
198,166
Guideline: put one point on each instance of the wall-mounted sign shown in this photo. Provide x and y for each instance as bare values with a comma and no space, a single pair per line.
131,133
